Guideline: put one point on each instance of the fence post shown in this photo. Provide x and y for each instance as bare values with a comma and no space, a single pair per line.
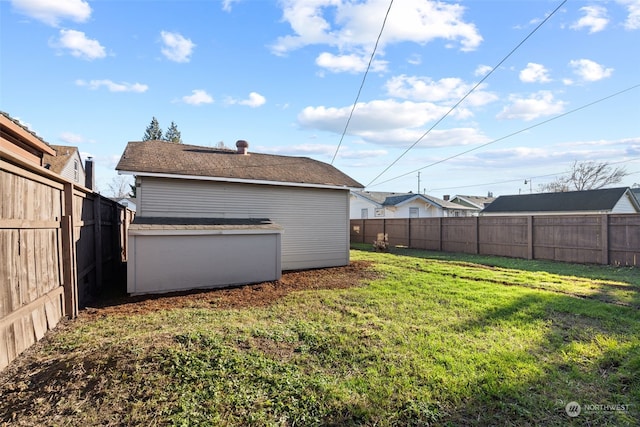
439,234
604,233
530,237
97,238
69,265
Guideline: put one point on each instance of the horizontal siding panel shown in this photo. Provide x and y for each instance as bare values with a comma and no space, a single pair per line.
315,221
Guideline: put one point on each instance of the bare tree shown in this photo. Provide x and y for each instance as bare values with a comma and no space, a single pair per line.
586,176
120,186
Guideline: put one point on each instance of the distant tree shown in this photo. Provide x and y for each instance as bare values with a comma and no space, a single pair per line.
173,134
586,176
132,189
221,146
119,186
153,131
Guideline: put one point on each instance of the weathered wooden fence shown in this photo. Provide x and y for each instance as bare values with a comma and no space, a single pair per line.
588,239
60,244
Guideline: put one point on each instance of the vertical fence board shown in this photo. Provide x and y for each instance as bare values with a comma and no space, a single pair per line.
46,224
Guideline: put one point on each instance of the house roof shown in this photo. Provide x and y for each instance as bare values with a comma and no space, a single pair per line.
571,201
477,201
158,158
63,154
395,199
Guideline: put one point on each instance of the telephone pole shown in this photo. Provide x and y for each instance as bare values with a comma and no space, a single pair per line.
418,182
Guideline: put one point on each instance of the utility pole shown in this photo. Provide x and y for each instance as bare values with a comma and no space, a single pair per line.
418,182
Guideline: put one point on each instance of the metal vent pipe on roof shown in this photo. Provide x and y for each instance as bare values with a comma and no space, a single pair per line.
242,146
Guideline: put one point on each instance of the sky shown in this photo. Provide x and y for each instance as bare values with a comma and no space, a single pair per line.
448,98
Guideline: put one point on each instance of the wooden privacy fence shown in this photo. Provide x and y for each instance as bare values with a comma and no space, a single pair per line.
60,244
587,239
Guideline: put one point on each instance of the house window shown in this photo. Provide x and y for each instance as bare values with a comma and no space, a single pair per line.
364,213
413,212
379,212
76,171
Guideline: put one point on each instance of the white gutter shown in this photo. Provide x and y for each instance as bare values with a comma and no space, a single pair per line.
237,180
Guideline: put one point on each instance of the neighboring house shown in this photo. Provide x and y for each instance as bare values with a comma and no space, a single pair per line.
18,139
66,162
127,202
602,201
377,204
476,202
209,217
636,192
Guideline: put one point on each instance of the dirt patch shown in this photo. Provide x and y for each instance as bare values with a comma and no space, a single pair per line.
39,388
260,294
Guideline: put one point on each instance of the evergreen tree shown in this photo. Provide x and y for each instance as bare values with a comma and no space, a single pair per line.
173,134
153,131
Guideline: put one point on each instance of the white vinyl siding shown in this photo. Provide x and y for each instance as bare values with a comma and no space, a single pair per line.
624,205
73,170
315,221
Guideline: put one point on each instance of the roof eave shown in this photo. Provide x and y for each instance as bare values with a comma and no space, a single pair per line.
237,180
365,198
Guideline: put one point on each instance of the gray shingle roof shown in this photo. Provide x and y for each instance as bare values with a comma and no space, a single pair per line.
571,201
193,160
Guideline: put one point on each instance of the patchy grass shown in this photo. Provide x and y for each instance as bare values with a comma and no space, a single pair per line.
431,341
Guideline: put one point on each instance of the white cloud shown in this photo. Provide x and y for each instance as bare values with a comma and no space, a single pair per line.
415,59
255,100
435,139
176,47
383,122
79,45
450,89
322,150
355,26
595,19
112,86
226,4
533,73
375,116
482,70
539,104
197,97
589,70
348,63
52,12
73,138
633,19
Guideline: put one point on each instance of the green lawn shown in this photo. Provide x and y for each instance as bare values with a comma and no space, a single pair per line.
438,339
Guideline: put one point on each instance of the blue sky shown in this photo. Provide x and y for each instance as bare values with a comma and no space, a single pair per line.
284,75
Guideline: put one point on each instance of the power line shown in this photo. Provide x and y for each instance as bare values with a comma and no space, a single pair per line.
511,134
362,83
468,93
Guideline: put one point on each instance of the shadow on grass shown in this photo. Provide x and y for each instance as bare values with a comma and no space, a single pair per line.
584,356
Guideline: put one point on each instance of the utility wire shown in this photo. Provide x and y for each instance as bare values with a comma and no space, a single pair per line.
363,80
468,93
514,133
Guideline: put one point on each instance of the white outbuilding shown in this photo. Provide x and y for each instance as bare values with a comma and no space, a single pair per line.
210,217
